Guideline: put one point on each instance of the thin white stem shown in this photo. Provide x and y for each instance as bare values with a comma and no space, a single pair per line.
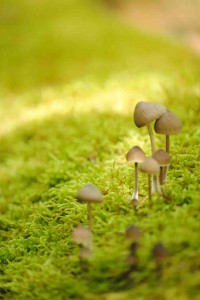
161,179
135,194
149,188
156,185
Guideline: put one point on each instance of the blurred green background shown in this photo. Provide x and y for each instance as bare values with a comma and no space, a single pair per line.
53,42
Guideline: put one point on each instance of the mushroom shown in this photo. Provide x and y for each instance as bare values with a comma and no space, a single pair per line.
163,158
160,254
168,124
89,194
135,155
83,237
151,167
133,234
145,113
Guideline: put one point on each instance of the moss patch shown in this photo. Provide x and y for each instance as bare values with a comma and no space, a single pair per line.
49,135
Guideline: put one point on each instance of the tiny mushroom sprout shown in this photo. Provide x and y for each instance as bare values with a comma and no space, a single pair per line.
151,167
82,236
145,113
160,254
135,155
163,158
89,194
168,124
133,234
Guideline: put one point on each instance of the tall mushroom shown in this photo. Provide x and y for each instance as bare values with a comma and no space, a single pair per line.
135,155
145,113
89,194
168,124
151,167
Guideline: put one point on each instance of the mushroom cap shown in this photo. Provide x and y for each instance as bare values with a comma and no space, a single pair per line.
146,112
162,157
159,251
168,124
89,193
82,235
133,233
150,166
135,154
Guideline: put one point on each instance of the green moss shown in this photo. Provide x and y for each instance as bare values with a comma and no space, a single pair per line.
56,139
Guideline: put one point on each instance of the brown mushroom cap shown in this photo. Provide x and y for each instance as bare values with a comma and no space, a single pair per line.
133,233
162,157
146,112
82,235
89,193
168,124
159,252
135,154
150,166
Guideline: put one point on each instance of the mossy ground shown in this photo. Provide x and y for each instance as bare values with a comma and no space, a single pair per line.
68,90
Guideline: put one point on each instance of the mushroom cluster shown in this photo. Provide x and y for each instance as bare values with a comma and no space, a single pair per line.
155,167
167,123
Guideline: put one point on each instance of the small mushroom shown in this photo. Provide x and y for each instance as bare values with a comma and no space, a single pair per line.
160,254
163,158
133,234
89,194
82,236
151,167
145,113
135,155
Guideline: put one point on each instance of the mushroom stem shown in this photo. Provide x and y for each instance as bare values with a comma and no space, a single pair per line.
168,150
149,188
156,186
89,209
153,149
161,175
135,194
153,144
161,179
167,143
